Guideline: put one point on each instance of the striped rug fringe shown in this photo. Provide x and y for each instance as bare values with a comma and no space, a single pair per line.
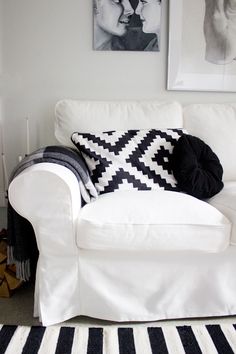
168,339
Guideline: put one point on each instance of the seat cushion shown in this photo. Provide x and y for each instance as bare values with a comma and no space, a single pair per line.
152,220
225,201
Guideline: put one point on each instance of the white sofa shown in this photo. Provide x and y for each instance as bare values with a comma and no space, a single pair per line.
132,255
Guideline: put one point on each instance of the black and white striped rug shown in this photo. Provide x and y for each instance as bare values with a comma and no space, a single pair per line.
195,339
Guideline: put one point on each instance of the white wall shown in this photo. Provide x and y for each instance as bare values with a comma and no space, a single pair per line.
47,55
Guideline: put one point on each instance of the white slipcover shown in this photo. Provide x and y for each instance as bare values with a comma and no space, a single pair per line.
216,125
115,285
91,116
225,201
152,220
123,284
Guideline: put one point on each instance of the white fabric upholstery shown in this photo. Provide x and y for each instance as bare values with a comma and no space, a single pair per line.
120,277
152,220
95,116
225,201
48,196
31,181
216,125
151,285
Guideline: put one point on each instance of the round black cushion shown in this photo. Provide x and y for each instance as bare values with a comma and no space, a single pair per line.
196,167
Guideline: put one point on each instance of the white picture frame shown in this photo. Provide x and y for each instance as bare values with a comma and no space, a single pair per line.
188,68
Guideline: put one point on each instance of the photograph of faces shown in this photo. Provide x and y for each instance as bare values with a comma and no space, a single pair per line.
127,25
202,45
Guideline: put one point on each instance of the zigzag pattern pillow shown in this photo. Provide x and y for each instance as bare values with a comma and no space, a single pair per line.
131,159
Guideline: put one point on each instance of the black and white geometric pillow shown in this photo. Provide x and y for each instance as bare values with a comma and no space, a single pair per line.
131,159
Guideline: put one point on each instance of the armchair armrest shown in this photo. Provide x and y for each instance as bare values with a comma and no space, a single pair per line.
48,195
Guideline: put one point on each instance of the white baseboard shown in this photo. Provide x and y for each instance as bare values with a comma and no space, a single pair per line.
2,199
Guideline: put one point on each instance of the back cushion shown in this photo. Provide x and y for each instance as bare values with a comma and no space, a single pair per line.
215,124
99,116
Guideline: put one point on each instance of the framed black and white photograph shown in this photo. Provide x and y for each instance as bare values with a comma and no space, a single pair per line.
202,45
126,25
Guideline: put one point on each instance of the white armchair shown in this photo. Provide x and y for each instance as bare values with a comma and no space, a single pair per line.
127,256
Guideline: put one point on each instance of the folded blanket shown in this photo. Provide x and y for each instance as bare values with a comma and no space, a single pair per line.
22,248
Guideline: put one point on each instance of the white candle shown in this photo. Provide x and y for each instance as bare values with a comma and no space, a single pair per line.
27,137
2,143
5,172
4,166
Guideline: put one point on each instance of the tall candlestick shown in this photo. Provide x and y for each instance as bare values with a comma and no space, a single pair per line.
1,136
4,166
5,172
27,137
